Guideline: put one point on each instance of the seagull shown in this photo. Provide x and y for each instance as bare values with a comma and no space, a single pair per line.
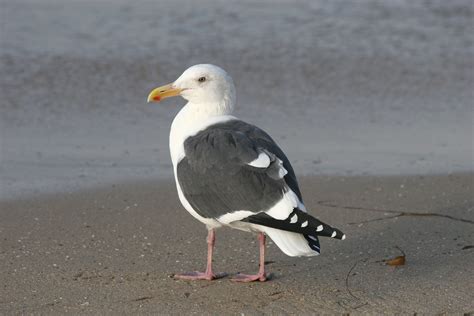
230,173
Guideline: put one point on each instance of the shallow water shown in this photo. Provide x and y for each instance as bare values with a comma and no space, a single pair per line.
373,88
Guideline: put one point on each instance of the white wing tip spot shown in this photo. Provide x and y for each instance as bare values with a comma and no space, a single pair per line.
304,224
294,219
333,234
315,248
343,237
319,228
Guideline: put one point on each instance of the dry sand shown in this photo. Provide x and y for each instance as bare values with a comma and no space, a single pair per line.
111,250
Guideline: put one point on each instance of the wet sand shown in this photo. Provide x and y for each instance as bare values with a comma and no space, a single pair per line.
112,250
372,89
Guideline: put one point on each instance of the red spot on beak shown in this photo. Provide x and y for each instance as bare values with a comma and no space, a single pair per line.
157,98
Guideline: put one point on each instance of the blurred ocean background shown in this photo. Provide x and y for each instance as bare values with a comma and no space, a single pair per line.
345,87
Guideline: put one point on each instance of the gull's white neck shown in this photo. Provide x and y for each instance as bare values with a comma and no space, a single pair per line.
194,118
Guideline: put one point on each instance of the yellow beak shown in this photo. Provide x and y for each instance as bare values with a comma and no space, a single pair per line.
162,93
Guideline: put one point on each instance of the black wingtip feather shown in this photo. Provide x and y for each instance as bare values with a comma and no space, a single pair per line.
313,242
298,222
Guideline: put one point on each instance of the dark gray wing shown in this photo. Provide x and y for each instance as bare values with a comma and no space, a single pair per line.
215,175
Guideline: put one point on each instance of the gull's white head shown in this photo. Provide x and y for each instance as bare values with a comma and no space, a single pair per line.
206,87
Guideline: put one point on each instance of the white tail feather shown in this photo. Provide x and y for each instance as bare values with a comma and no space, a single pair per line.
292,244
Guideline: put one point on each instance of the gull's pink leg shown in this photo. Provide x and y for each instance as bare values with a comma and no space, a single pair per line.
208,275
261,275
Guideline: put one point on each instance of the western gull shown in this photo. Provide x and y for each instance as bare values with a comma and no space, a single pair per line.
231,173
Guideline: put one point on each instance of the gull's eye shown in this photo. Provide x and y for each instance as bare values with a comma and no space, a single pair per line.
202,79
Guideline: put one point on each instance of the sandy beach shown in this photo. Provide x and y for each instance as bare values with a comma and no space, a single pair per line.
112,250
372,102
